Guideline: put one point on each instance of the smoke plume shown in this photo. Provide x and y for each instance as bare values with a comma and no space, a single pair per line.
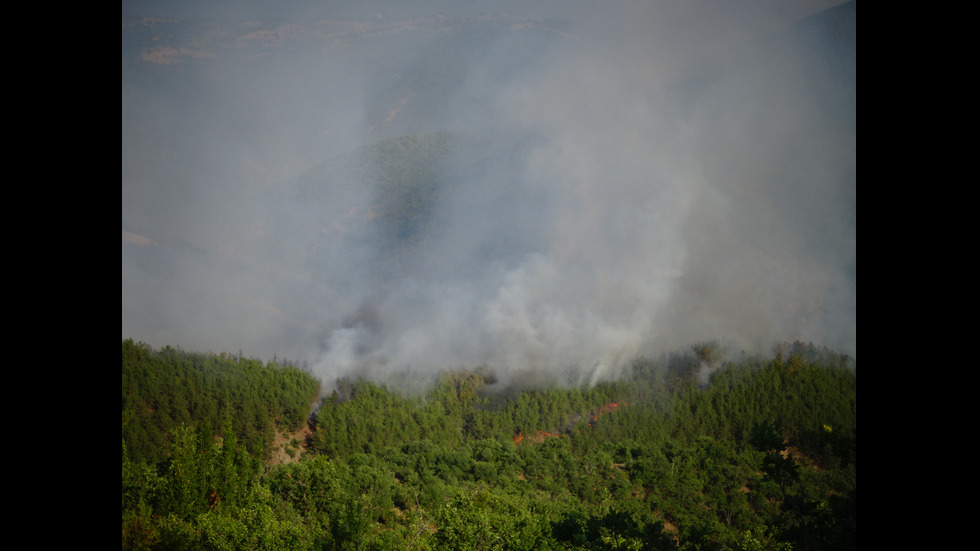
577,184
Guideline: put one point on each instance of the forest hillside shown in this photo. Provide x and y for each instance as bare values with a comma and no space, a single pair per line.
691,451
570,275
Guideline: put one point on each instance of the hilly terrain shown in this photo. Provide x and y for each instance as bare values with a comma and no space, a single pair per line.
761,454
538,276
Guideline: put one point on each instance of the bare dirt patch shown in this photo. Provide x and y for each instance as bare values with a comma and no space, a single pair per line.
289,447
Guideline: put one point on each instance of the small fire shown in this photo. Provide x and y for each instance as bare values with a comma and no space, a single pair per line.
541,435
612,406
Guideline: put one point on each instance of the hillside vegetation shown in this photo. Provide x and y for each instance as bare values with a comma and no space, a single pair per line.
469,206
760,454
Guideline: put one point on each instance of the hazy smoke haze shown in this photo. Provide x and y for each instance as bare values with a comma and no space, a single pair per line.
633,177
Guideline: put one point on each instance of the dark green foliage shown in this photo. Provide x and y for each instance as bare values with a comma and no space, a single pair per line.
612,530
761,455
164,389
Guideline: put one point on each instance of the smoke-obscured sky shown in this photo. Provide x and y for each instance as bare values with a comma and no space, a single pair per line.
685,171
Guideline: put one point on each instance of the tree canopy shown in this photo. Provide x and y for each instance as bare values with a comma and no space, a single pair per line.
761,456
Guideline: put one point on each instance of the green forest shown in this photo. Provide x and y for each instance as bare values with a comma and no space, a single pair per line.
755,453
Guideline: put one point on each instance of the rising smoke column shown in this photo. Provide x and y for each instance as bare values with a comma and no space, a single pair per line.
685,173
692,187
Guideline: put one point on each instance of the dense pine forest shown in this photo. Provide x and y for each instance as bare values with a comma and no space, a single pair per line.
693,450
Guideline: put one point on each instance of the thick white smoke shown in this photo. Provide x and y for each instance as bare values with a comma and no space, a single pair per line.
686,173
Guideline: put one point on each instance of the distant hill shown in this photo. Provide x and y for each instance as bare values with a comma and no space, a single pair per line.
399,195
417,71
